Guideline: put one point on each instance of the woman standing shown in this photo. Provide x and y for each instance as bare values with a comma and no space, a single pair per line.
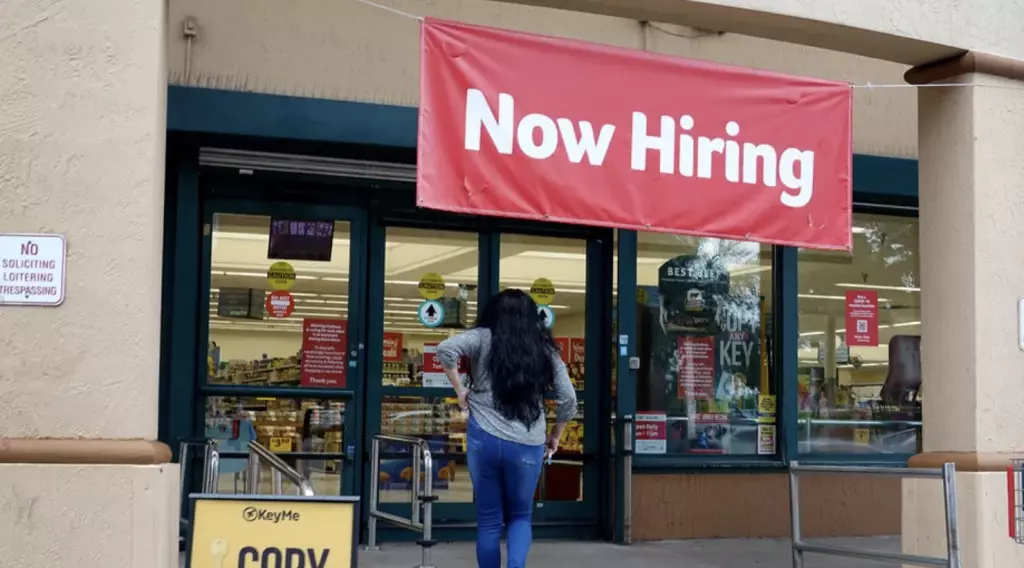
514,362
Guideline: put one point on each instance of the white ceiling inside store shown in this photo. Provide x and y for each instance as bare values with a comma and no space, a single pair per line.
884,260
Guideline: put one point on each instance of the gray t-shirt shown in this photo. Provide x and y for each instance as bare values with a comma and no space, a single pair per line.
475,344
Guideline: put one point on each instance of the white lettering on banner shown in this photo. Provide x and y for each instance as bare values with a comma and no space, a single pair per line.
785,166
537,136
501,129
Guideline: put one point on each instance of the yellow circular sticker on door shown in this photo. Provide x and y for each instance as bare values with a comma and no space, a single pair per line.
281,276
431,286
542,291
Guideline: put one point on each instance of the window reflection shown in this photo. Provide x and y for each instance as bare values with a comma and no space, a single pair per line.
703,310
859,358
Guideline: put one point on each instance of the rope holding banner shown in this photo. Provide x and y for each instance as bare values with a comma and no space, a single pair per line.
390,9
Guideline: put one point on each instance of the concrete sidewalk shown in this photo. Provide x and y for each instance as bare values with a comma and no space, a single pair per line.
731,553
759,553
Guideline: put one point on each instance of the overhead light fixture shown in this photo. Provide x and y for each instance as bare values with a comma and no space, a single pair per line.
879,287
883,326
826,297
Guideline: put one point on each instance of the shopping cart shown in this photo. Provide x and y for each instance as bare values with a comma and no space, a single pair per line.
1015,499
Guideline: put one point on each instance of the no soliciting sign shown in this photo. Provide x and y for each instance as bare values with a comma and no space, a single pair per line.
32,269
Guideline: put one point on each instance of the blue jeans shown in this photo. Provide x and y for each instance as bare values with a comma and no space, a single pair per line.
504,478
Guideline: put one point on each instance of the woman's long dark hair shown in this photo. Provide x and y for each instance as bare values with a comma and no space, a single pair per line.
520,362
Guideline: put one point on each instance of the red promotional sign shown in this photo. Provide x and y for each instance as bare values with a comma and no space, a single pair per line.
862,318
535,127
279,304
433,371
696,367
393,346
324,362
563,348
577,350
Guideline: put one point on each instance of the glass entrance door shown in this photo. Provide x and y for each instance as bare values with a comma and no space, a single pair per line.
284,332
555,271
439,269
409,395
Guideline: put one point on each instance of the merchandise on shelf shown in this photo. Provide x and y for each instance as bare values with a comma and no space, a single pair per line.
279,424
280,370
396,374
572,437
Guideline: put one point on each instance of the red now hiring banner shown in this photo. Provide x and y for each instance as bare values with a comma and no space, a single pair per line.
533,127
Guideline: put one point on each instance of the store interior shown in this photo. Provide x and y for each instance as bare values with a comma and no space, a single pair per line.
257,346
253,346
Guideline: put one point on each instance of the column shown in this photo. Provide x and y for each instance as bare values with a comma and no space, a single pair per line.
82,127
972,273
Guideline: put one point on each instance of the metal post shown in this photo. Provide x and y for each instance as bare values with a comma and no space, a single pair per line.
952,528
213,466
428,505
277,485
208,451
794,518
627,480
252,481
182,465
417,475
371,524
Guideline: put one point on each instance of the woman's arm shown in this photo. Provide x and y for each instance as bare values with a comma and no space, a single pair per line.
454,348
565,398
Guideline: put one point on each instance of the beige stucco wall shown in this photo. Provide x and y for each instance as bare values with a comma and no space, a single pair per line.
349,51
82,121
82,126
90,516
915,32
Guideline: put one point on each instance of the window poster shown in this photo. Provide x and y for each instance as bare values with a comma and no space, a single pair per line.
651,433
324,346
862,318
711,433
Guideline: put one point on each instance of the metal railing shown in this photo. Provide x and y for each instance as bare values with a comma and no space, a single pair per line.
422,485
210,475
258,455
211,463
948,476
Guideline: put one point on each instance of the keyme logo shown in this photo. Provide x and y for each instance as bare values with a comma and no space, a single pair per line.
253,514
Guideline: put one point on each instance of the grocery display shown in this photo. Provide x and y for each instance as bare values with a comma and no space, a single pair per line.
267,371
397,374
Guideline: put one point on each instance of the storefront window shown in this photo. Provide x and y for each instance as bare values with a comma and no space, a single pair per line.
860,337
554,271
430,294
703,323
292,428
274,285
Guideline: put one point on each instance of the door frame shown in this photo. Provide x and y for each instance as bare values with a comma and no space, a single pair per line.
584,519
355,313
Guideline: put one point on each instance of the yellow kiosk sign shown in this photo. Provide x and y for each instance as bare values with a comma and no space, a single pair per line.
247,531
